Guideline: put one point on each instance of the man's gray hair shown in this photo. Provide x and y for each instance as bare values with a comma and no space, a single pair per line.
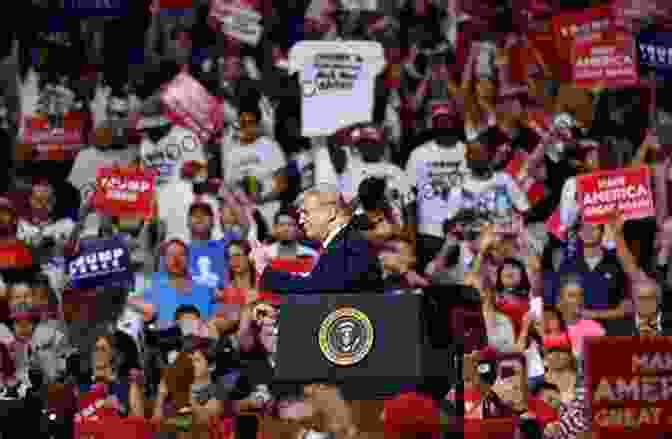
327,193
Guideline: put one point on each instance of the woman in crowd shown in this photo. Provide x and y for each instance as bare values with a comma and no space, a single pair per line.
172,286
243,275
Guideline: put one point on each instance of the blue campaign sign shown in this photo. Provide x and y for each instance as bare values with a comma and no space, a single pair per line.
655,52
97,8
100,262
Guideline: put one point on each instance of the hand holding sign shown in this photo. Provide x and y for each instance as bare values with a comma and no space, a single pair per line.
627,190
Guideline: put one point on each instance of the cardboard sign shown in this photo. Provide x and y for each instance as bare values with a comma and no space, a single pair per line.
15,256
628,386
100,262
629,190
237,20
125,192
568,26
607,62
655,52
190,105
55,143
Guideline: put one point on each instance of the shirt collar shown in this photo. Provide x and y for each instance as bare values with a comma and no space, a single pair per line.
332,235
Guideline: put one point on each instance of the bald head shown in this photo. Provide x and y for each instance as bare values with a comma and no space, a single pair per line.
322,210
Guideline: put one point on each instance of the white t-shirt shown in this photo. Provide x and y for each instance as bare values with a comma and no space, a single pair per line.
168,156
435,170
262,160
325,173
495,199
399,186
174,200
337,79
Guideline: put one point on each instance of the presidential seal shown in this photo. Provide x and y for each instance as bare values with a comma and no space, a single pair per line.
346,336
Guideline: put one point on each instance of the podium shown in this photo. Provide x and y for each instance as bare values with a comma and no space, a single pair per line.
372,346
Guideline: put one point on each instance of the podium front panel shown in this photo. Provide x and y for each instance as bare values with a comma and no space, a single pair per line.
371,345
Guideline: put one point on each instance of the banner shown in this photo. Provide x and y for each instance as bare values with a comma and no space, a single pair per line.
571,25
190,105
15,256
55,143
237,20
655,53
629,386
98,263
97,8
609,62
629,190
125,192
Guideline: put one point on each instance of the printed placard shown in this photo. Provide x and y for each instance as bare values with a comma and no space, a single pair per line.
571,25
628,385
655,52
628,190
237,21
125,192
100,262
610,63
55,143
190,105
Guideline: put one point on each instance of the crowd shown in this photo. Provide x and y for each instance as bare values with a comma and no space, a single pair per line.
176,170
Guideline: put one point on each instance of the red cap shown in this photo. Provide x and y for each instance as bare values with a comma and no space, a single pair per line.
368,133
272,298
488,353
557,342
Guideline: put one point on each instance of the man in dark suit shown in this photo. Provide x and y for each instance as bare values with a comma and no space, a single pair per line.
347,263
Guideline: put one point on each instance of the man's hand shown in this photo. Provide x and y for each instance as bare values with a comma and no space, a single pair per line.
330,407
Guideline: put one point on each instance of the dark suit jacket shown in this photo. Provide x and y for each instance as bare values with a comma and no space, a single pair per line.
347,265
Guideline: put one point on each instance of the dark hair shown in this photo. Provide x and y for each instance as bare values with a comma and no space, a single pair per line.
186,309
524,279
245,246
371,194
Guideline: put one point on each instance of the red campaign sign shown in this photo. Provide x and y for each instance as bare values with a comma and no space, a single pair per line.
190,105
629,190
570,25
55,143
125,192
629,386
611,63
15,256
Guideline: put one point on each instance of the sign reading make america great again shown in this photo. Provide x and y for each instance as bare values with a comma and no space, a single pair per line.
100,262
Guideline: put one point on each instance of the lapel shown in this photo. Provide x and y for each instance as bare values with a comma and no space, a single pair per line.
339,236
